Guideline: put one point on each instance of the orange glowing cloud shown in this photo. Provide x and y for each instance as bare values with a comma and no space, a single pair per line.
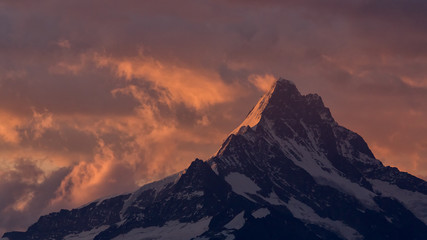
262,82
86,178
64,43
41,122
73,66
197,88
8,127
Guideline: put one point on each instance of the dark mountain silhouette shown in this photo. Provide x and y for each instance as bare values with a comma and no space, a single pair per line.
289,171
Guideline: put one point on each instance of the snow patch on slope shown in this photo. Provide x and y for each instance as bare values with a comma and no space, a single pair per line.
188,196
242,185
306,214
414,201
237,222
157,186
317,165
261,213
88,235
346,149
273,199
214,168
172,230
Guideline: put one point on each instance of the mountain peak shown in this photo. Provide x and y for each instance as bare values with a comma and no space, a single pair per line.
290,172
284,85
284,101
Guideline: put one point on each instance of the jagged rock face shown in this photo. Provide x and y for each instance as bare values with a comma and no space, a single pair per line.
289,171
295,151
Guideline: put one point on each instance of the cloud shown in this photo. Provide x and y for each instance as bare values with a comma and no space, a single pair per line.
8,131
64,43
26,191
196,88
263,83
40,123
204,121
96,178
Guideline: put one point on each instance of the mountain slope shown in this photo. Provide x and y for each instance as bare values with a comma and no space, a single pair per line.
289,171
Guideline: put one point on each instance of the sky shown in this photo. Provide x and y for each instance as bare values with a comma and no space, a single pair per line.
100,97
